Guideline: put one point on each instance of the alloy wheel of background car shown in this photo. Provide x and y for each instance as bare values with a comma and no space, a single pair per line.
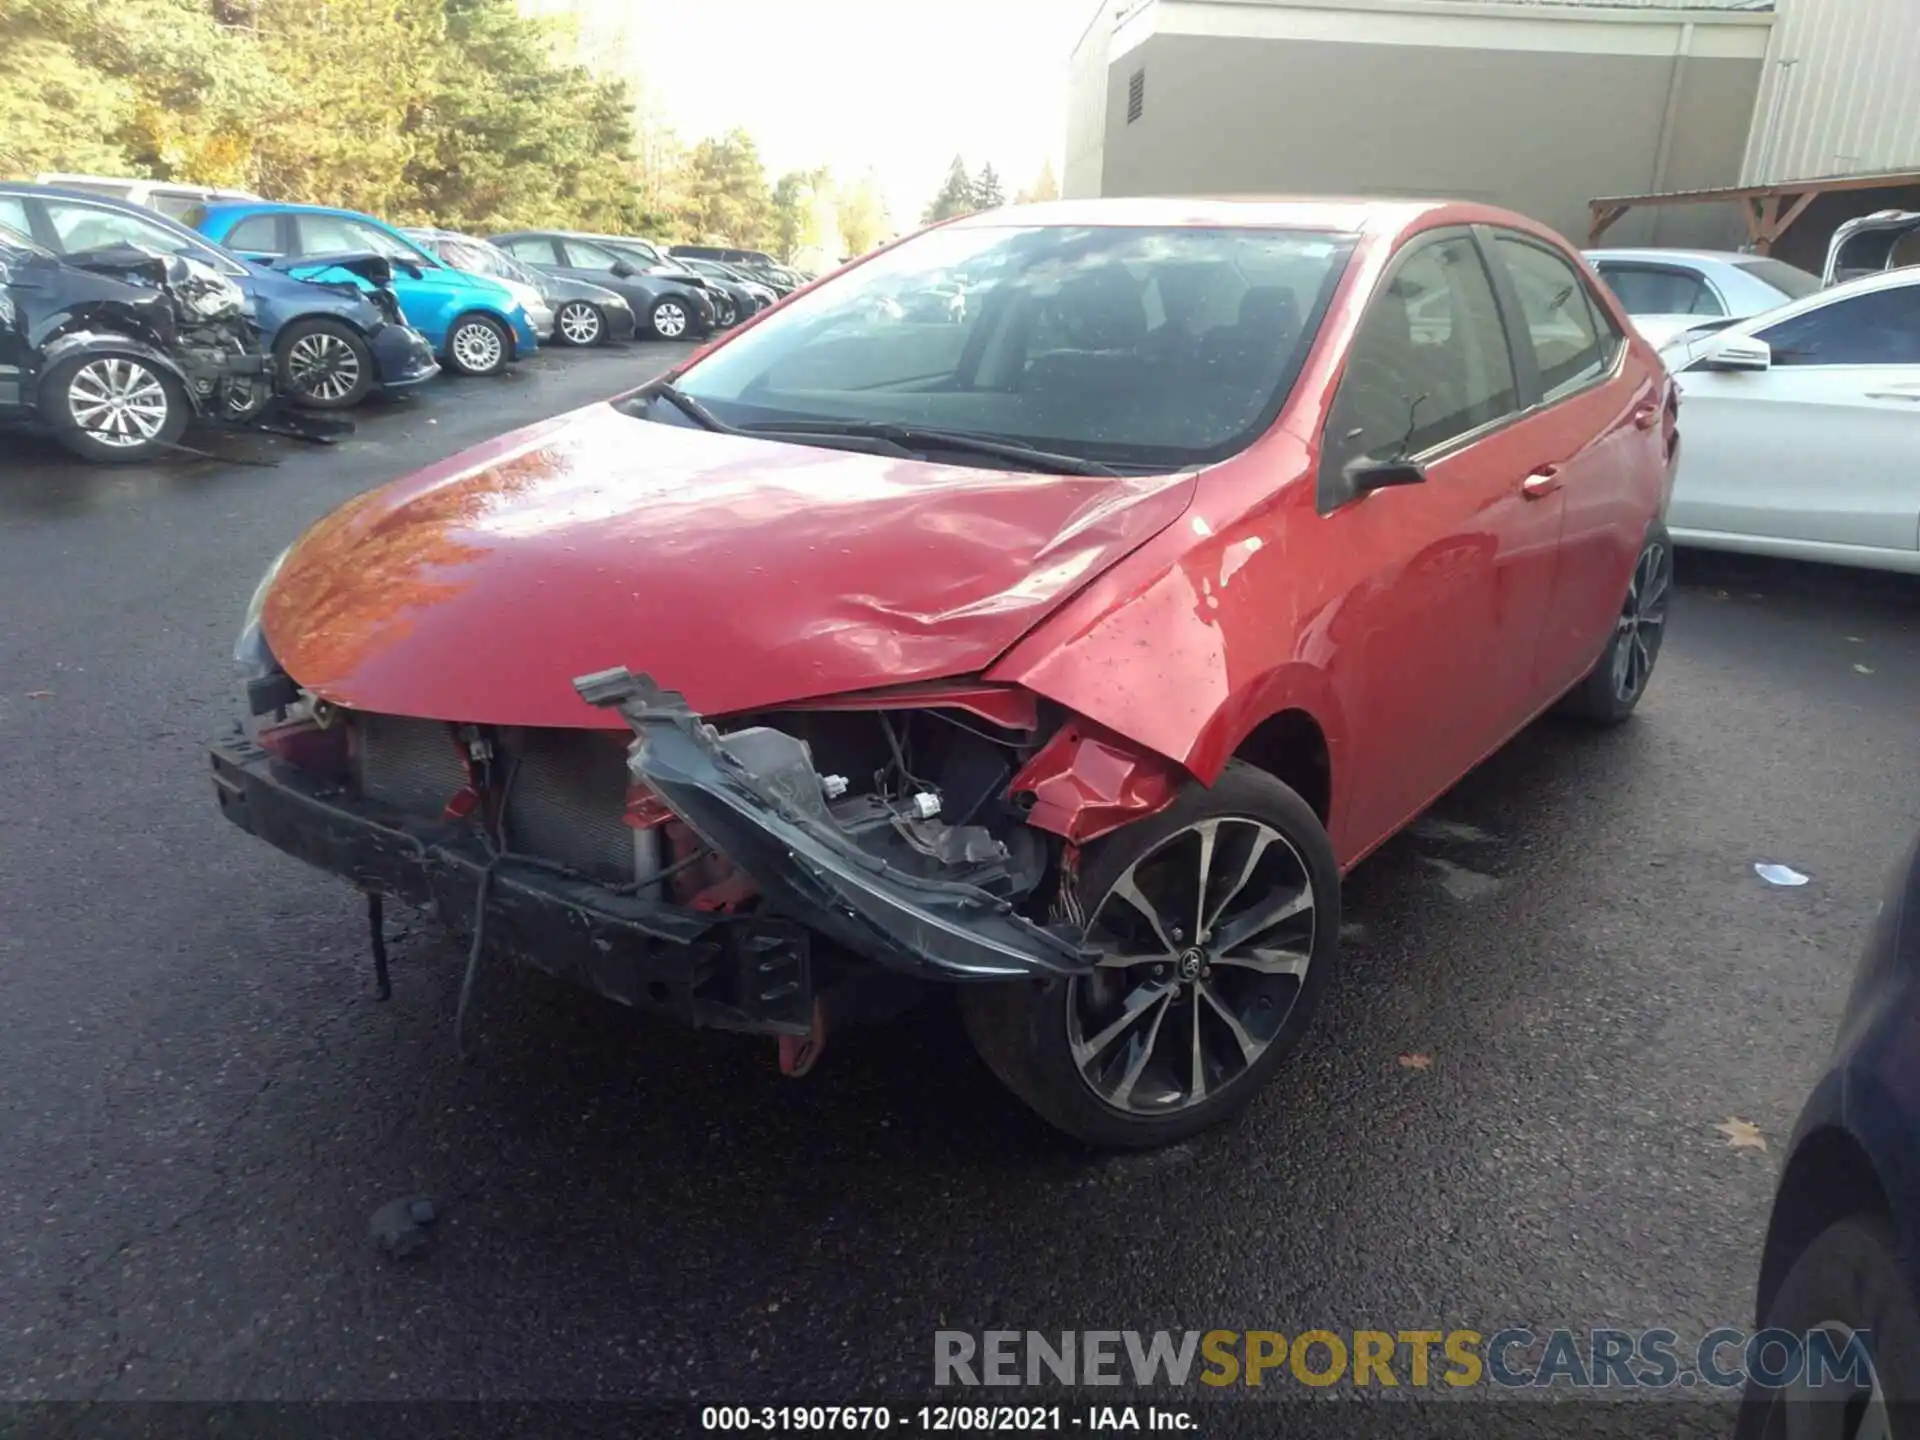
1610,691
579,323
669,319
1171,1033
116,408
724,313
477,346
324,364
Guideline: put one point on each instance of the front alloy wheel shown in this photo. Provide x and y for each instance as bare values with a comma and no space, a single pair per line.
669,319
324,364
115,408
579,323
477,346
1207,942
1217,923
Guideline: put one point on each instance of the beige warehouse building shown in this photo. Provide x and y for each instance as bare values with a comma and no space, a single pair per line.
1537,106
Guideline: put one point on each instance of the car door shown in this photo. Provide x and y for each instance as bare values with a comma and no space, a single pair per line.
1821,448
584,260
1460,565
1593,437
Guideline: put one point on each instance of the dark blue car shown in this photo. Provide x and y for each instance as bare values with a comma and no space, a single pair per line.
331,342
1843,1246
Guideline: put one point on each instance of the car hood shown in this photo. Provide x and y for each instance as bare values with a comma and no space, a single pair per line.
743,572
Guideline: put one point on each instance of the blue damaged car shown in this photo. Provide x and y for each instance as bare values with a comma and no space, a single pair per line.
333,337
477,325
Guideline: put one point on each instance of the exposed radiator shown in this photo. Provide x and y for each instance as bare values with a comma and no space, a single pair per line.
569,790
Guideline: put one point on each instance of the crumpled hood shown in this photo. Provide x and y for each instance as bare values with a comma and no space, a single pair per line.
741,572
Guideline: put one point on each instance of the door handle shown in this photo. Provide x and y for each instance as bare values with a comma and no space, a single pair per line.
1646,417
1541,483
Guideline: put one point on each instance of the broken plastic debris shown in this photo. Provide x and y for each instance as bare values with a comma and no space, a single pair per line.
1778,874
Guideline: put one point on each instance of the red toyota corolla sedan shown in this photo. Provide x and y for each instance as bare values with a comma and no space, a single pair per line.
1065,646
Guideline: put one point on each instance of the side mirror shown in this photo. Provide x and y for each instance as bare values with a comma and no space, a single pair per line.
1365,476
622,270
1742,352
410,268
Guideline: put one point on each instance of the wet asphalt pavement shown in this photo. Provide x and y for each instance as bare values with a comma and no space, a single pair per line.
203,1104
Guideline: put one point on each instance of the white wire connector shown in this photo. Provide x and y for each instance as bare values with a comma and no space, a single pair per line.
924,805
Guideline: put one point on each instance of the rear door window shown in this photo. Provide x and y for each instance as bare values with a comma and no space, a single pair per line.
1574,343
13,214
1659,290
79,226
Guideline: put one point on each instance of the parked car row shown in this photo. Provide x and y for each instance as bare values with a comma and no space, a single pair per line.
340,304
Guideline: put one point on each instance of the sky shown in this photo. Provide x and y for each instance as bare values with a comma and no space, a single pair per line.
900,86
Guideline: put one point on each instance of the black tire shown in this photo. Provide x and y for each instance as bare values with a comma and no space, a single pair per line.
1022,1029
1608,693
323,364
671,318
1851,1275
71,385
478,345
588,324
725,312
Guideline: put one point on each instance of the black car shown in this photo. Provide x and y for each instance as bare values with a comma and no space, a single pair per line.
749,296
584,314
668,307
335,333
757,263
116,350
1842,1255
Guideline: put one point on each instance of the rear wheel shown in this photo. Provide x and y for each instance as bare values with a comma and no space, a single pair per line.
1219,923
478,345
1619,678
118,409
580,323
670,318
323,364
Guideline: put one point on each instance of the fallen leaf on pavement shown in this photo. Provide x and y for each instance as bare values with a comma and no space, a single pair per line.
39,694
1416,1062
1864,669
1742,1134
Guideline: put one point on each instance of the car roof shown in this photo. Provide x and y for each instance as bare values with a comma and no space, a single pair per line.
274,207
91,197
1656,254
1338,213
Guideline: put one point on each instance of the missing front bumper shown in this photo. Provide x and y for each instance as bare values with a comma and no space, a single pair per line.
775,828
729,972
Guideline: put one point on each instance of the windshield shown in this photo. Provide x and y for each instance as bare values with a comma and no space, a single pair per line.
1149,347
1790,280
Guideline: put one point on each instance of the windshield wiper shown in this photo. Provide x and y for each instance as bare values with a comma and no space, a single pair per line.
688,406
924,437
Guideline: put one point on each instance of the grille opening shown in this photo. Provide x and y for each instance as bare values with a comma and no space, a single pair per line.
569,791
1136,95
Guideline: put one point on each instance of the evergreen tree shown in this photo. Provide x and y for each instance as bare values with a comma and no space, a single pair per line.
955,197
987,194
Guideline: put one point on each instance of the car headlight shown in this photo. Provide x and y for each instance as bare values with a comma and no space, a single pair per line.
250,653
209,294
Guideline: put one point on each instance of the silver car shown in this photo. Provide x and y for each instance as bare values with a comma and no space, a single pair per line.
1668,291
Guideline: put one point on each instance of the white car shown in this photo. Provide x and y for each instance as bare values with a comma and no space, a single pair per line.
1800,428
168,198
1668,291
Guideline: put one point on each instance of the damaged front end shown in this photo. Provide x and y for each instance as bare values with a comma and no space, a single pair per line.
798,870
884,876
